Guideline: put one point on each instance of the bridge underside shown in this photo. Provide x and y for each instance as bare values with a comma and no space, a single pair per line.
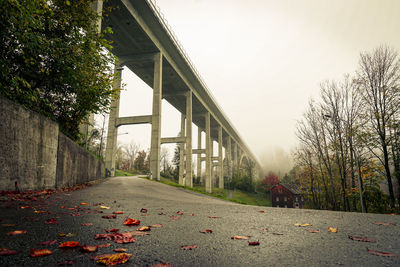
144,44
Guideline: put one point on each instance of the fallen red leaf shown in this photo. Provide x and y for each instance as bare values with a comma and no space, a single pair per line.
76,214
51,221
17,232
111,230
384,223
381,253
86,224
69,244
265,230
87,248
313,231
7,252
120,250
261,211
49,243
143,229
125,240
179,212
240,237
254,243
156,226
113,259
104,245
118,212
143,210
190,247
214,217
191,214
109,216
67,262
39,252
25,207
131,221
361,239
207,231
162,265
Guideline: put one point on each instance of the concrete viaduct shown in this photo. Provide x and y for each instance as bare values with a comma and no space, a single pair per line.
143,42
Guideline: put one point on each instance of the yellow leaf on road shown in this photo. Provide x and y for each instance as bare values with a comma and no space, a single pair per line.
105,207
333,230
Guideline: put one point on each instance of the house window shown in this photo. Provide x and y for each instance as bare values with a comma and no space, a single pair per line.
277,199
285,198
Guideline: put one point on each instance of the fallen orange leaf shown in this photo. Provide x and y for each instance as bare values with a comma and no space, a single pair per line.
240,237
333,230
207,231
104,245
86,224
39,252
105,207
118,212
69,244
17,232
84,203
125,240
156,226
131,221
162,265
313,231
381,253
113,259
143,229
87,248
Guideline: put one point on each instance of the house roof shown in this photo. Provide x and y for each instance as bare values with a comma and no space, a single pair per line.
292,188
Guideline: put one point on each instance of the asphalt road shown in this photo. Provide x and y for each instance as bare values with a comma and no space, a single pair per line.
284,244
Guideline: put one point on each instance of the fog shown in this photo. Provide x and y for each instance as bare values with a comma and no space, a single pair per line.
263,60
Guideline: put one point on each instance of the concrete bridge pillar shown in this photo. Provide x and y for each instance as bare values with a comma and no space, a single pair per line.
228,152
181,151
235,155
220,162
189,178
208,153
199,155
156,119
112,132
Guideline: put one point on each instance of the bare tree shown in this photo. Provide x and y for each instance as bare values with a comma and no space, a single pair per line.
378,78
131,150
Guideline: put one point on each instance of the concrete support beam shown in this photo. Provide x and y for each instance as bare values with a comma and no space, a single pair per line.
156,119
181,151
133,120
111,146
189,177
228,152
235,155
126,59
177,140
220,162
198,151
208,154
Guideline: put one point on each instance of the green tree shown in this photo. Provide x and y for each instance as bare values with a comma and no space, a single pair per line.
54,61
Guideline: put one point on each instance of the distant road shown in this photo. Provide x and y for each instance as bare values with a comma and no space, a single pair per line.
284,244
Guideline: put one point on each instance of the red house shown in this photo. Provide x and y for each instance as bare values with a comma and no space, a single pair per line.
286,196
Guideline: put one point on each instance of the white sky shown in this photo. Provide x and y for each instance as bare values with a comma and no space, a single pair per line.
263,60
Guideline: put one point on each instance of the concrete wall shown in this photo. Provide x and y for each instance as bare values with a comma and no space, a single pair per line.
31,146
75,165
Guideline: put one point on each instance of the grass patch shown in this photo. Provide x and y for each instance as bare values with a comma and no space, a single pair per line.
123,173
241,197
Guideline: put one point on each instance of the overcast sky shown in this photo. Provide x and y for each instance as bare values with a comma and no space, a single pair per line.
263,60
